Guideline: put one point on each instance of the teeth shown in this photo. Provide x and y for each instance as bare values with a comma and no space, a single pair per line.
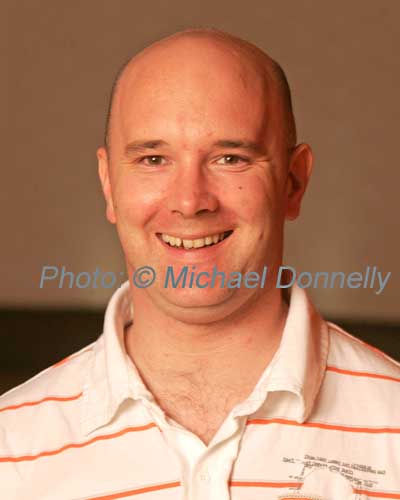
197,243
187,243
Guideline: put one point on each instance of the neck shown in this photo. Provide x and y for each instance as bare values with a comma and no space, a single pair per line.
166,348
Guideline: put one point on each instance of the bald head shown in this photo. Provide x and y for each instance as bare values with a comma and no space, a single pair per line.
238,51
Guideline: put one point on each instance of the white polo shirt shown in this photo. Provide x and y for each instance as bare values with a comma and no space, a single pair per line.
323,422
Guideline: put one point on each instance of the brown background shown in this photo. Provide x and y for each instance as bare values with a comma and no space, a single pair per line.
341,59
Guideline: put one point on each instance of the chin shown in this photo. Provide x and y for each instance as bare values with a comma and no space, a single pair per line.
200,306
200,315
198,297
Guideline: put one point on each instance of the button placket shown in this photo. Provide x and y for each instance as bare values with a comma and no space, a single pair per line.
204,475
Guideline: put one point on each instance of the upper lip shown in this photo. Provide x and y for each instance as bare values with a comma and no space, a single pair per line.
196,236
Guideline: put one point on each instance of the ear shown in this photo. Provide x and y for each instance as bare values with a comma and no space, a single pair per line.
299,172
104,175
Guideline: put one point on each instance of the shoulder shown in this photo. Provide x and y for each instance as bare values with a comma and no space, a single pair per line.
36,403
350,353
63,375
360,388
361,380
39,415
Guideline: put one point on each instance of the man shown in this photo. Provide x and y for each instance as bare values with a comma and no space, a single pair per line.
205,392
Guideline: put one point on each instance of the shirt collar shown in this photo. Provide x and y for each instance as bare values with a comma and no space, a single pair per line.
111,377
298,365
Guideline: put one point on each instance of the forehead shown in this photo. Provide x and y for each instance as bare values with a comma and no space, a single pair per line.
193,90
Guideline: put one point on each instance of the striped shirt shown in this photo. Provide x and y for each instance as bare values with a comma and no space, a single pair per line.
323,422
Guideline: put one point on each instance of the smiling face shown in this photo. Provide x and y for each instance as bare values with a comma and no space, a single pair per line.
198,173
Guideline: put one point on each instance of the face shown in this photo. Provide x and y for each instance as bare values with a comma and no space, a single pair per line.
198,175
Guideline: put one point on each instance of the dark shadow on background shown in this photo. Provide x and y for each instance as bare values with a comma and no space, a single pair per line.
32,340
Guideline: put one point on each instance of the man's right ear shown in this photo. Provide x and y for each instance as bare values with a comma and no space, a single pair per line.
104,175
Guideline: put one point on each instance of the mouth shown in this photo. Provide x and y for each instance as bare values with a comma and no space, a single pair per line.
195,243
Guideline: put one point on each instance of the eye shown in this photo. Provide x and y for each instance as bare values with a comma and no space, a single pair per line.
152,161
232,160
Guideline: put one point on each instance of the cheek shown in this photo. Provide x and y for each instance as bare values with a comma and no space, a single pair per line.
252,199
137,200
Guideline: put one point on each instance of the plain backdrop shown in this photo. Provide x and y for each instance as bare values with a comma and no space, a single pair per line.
60,59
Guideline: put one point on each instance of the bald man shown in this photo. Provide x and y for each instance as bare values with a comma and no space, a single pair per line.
206,392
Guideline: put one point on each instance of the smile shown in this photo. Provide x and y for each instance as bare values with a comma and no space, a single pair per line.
187,244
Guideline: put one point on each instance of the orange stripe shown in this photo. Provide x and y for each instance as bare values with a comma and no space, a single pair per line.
64,360
361,374
369,430
71,356
262,484
25,458
138,491
49,398
265,484
377,494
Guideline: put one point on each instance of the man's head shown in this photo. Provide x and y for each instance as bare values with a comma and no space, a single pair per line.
274,74
201,141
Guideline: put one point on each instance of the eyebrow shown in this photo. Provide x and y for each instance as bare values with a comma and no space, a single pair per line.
237,144
140,146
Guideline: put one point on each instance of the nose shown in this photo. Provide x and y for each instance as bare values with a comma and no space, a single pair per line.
190,192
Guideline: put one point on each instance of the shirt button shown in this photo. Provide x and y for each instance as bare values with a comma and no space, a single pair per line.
205,477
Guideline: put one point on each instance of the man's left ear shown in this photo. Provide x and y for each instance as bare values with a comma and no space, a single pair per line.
104,175
299,172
